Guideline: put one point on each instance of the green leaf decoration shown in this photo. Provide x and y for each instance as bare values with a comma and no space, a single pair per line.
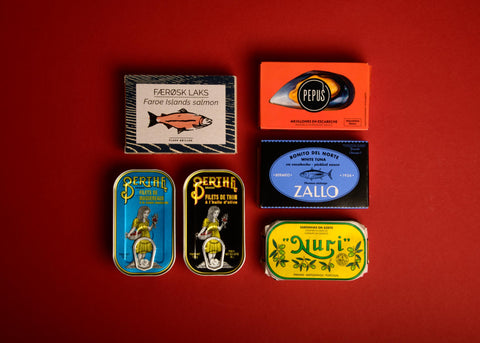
274,243
358,245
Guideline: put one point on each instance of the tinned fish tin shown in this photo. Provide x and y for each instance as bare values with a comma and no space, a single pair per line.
144,222
314,174
214,222
316,250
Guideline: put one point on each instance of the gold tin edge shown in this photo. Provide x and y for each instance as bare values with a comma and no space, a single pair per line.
115,184
269,228
233,271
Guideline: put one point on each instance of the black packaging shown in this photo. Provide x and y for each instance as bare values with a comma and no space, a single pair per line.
314,174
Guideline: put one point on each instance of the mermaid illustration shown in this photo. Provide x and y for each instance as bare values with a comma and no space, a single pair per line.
143,244
210,233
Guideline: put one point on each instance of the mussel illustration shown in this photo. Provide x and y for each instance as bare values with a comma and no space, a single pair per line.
341,89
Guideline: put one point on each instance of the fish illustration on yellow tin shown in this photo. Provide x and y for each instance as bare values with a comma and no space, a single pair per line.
313,174
181,120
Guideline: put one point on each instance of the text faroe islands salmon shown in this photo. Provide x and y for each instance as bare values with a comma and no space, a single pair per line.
181,120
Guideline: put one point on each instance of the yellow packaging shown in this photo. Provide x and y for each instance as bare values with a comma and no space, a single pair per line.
316,250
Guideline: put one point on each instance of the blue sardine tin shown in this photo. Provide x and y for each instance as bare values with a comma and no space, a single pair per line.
331,174
144,222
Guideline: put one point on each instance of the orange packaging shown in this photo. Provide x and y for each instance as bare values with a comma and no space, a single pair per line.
314,96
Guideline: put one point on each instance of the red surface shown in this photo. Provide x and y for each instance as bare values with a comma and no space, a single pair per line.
62,148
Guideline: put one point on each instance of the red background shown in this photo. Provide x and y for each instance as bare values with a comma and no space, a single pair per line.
62,148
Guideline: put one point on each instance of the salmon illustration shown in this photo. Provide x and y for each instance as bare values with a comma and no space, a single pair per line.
181,120
313,174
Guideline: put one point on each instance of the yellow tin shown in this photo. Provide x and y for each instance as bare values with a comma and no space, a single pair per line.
316,250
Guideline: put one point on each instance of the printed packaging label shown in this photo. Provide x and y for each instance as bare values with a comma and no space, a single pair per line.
318,174
314,174
180,114
316,250
144,222
314,96
214,233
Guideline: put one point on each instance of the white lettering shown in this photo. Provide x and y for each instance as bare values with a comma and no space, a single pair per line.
318,192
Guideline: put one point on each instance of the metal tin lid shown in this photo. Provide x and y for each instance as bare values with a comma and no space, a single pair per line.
316,250
214,222
144,222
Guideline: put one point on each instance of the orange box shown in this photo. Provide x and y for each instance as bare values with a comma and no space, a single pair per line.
314,96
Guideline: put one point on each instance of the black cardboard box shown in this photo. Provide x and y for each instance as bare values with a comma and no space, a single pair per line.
314,174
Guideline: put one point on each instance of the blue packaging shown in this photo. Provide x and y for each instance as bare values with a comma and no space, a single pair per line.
314,174
144,222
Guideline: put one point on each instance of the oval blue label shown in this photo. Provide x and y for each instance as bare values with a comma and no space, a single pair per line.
314,174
